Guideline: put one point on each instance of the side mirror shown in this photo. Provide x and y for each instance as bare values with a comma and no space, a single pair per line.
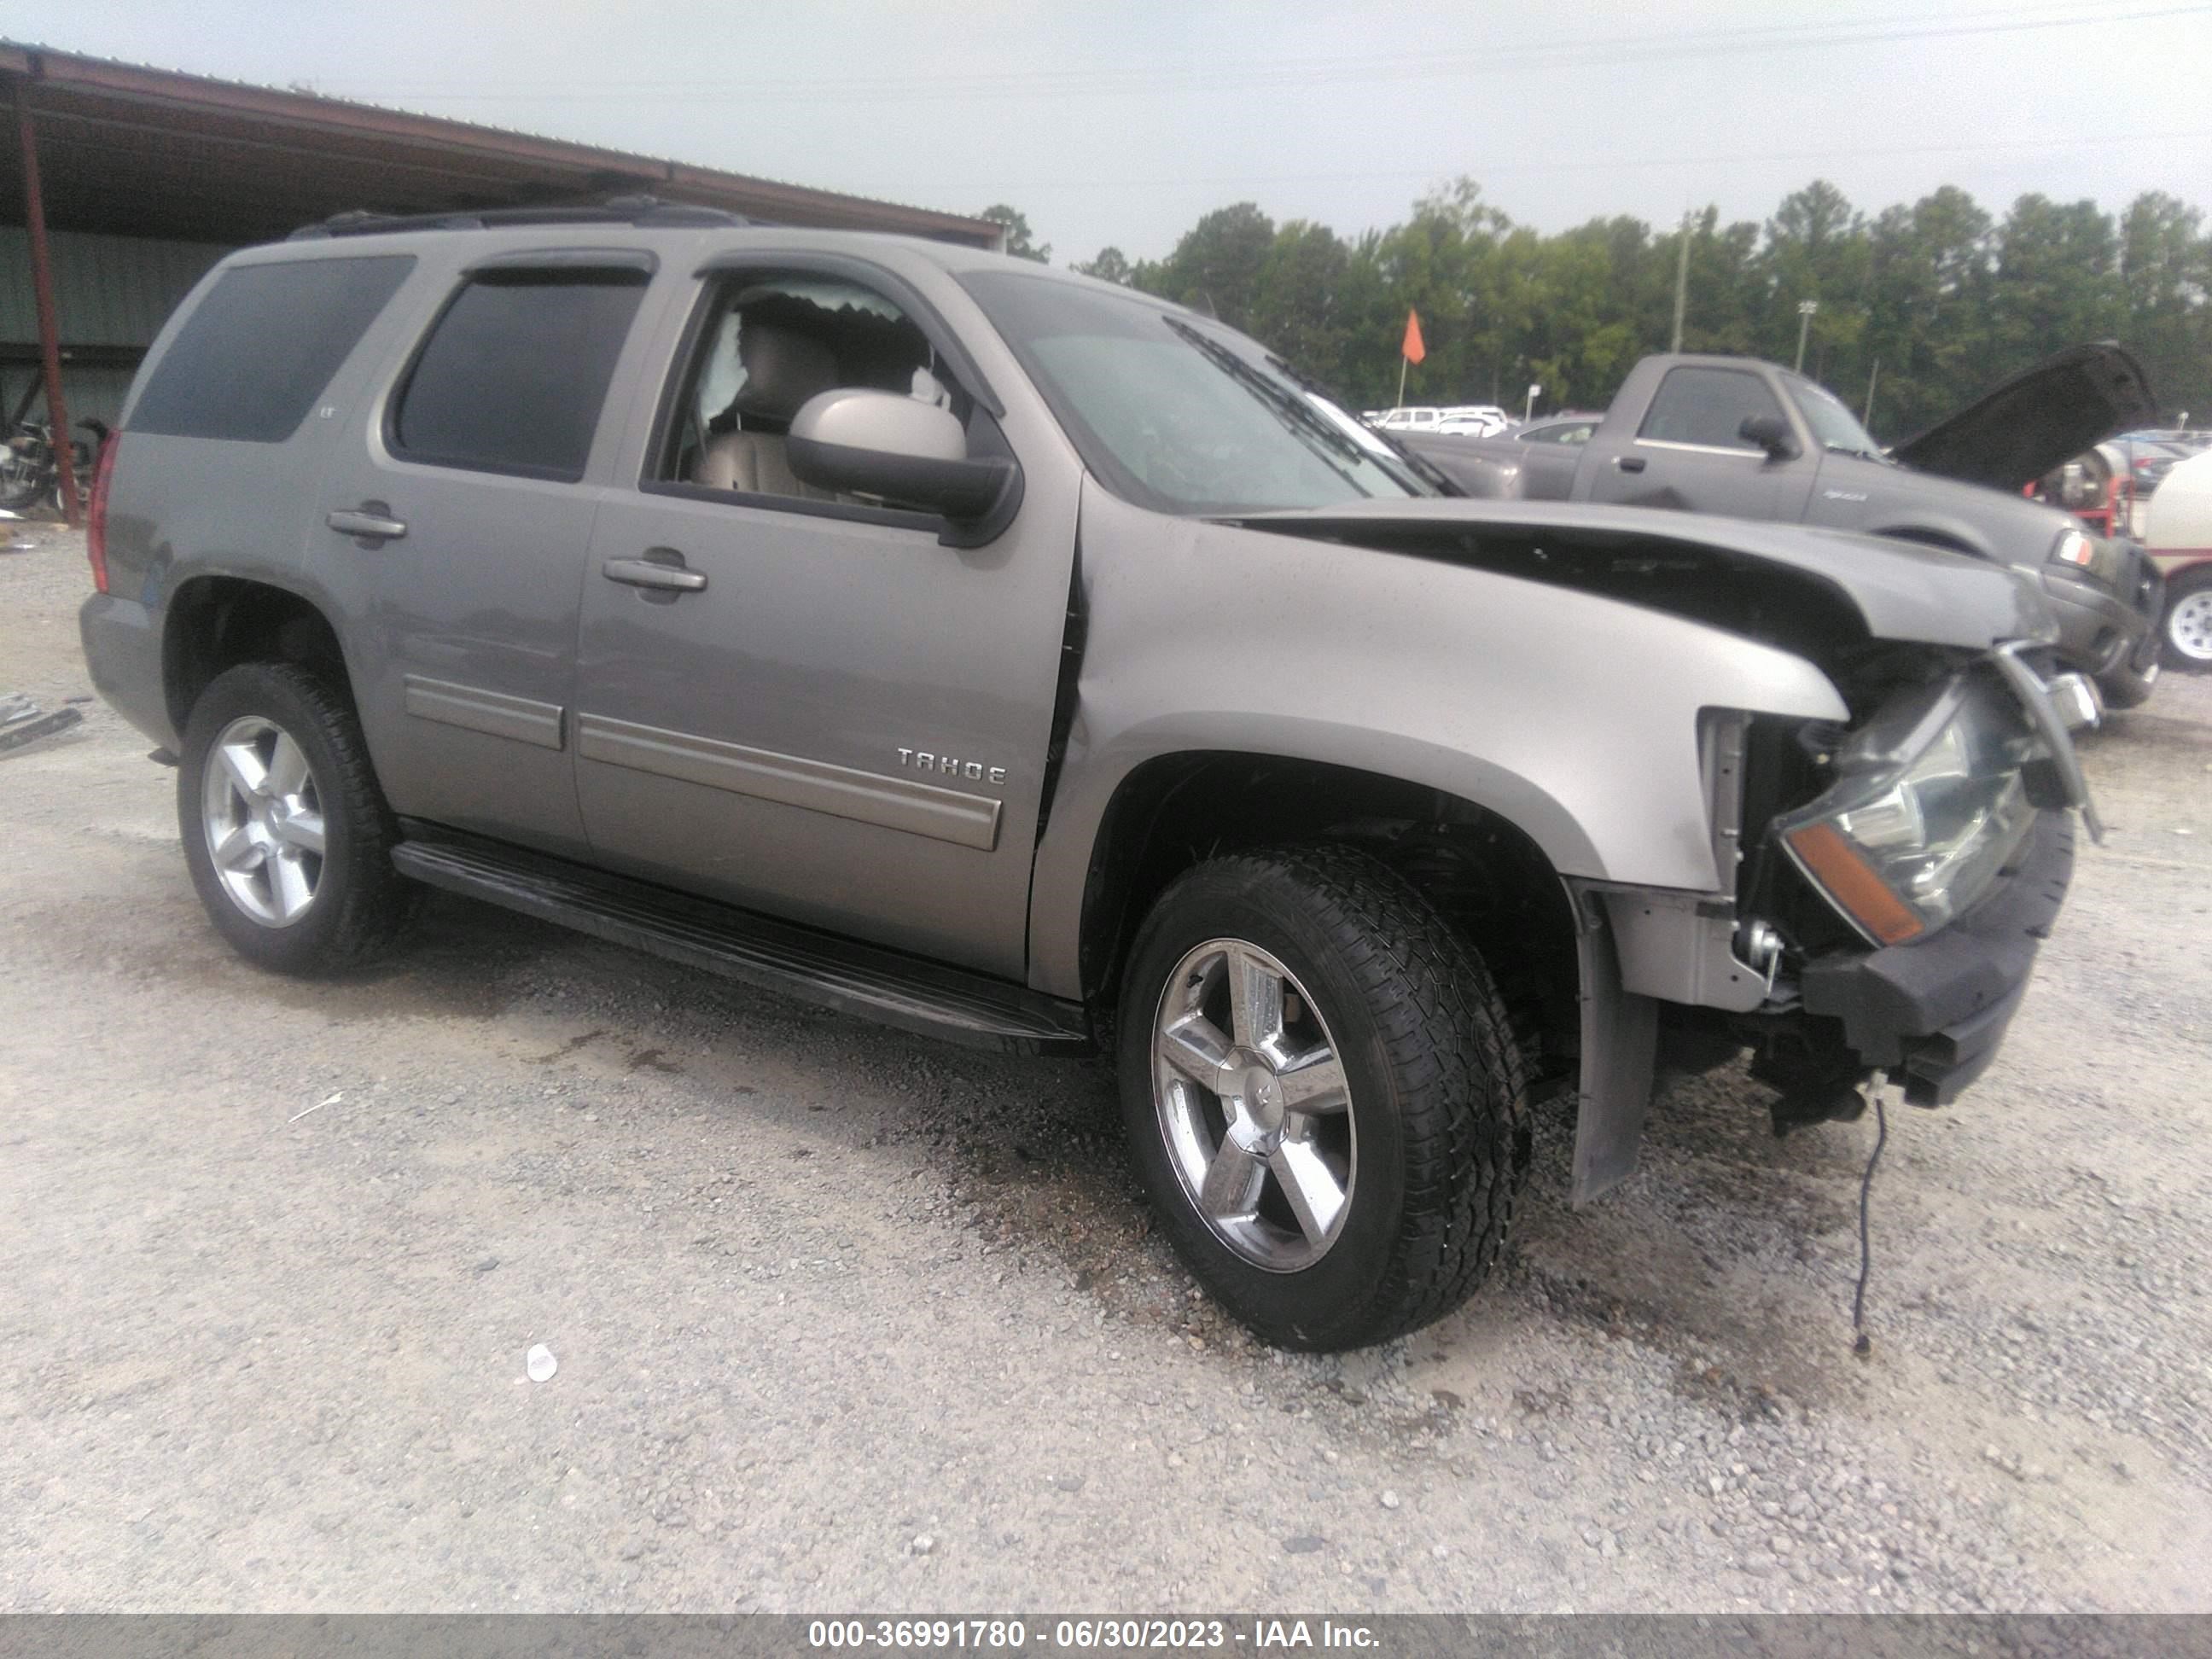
1771,434
879,443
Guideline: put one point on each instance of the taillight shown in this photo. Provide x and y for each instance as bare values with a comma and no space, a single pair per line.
95,523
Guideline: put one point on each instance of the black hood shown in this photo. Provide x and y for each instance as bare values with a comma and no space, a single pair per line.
2040,419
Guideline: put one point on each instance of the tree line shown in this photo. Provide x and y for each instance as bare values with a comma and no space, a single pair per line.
1920,307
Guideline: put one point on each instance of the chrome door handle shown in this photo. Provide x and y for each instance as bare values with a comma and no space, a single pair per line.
651,573
371,520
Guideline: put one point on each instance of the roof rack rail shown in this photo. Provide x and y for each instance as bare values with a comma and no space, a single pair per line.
640,210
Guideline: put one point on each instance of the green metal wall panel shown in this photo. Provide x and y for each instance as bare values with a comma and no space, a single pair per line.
109,291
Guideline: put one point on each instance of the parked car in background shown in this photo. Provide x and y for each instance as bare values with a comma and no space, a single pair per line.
1747,438
1410,418
1030,662
2190,438
2178,534
1476,420
1569,427
1471,420
2147,462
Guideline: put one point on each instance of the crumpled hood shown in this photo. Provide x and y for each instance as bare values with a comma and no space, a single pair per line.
2040,419
1705,567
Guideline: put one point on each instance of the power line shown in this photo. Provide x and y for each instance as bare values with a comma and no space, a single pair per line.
1467,64
1484,169
1332,66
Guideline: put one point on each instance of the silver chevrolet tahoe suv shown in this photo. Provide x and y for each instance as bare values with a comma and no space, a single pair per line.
1022,661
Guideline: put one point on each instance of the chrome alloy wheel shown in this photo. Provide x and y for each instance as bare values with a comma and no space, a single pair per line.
2188,625
1254,1106
263,816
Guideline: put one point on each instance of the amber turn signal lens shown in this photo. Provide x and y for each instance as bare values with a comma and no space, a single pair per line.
1838,868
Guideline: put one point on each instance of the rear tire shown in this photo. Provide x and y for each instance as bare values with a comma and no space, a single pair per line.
2185,631
287,835
1384,1205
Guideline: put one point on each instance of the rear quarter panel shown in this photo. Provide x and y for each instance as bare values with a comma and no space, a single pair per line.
183,507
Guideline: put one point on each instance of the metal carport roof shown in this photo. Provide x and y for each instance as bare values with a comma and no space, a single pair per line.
121,149
150,152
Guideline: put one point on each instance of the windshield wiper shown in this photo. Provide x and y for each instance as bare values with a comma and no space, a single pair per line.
1853,449
1420,465
1302,417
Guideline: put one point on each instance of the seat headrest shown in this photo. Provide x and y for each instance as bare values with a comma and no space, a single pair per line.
783,369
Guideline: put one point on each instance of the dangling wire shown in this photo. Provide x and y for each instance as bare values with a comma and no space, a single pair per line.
1864,1345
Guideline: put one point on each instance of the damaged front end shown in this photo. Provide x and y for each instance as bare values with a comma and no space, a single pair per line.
1895,876
1871,877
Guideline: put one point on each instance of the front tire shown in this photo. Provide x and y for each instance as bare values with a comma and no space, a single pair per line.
1323,1095
2127,687
2186,630
287,835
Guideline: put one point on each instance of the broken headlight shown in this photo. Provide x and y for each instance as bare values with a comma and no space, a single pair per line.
1928,804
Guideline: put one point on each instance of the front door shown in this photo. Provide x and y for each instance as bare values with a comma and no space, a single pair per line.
810,706
1689,453
465,523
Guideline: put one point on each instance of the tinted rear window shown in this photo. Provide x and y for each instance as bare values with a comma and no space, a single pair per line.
515,371
258,351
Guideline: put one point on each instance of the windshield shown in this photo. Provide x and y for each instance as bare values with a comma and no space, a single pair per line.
1181,415
1833,426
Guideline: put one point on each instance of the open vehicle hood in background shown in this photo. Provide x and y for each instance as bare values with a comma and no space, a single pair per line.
2040,419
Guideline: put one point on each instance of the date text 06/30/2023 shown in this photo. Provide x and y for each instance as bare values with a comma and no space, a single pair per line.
1258,1635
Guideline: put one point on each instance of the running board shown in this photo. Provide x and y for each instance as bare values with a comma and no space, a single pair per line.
867,979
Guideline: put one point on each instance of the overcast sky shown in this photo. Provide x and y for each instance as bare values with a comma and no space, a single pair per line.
1121,122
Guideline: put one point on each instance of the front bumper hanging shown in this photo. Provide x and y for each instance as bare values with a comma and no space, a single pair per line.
1932,1013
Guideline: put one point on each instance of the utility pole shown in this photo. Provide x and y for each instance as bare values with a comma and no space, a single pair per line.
1681,282
1873,380
1805,310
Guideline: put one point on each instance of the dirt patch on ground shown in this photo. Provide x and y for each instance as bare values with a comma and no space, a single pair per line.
820,1290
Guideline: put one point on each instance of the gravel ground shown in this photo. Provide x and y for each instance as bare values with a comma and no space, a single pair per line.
848,1320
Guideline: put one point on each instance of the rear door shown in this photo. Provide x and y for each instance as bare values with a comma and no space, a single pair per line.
821,710
465,515
1688,452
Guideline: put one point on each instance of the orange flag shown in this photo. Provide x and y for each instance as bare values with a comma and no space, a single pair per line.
1413,348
